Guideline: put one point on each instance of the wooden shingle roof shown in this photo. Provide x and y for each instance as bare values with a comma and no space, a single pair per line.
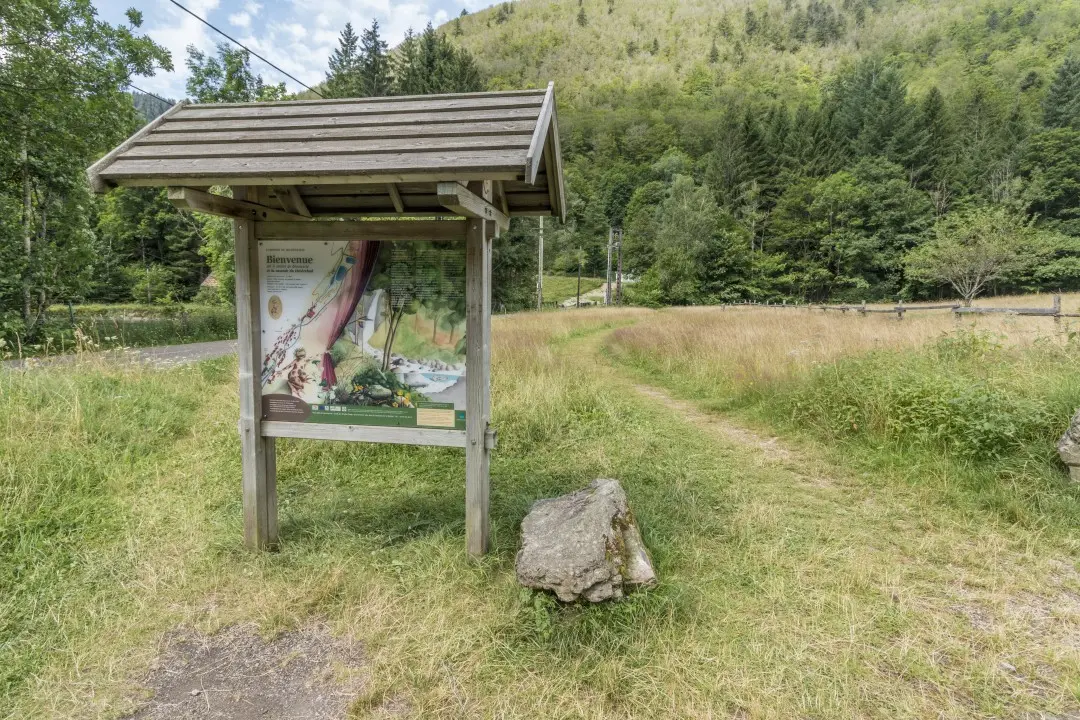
371,156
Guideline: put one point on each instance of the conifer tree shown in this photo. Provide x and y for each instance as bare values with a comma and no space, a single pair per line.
343,78
1062,105
374,64
714,54
428,63
750,23
581,19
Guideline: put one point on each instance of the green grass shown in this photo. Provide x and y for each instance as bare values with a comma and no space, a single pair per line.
779,597
558,288
105,327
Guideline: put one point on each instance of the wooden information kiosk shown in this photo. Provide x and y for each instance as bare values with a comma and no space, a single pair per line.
320,190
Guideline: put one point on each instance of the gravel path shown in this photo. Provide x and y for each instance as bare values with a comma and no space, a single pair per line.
163,356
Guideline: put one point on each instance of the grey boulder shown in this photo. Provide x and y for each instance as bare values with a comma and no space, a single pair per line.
1069,447
584,546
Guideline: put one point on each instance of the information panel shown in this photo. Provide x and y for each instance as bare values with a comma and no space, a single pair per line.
363,332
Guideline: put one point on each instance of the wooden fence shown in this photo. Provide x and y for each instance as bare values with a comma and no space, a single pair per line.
900,309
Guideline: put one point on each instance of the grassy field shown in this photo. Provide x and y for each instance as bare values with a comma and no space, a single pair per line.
558,288
106,327
797,580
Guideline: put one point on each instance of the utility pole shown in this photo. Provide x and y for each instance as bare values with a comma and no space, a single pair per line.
540,270
579,278
607,284
618,272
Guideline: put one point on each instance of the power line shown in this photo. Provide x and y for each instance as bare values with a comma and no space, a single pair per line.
237,42
170,103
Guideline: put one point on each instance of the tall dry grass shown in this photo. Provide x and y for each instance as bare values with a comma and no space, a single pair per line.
736,348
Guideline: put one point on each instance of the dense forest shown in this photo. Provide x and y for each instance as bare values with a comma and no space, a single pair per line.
801,149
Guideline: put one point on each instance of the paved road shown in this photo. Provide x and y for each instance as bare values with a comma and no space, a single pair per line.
163,356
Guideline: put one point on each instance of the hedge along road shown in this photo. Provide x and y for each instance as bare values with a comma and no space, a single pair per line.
163,356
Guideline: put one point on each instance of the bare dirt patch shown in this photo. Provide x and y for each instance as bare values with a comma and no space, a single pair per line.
303,674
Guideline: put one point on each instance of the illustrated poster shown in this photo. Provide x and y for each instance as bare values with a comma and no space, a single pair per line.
363,332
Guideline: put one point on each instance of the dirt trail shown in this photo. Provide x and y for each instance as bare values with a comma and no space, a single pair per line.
768,451
160,357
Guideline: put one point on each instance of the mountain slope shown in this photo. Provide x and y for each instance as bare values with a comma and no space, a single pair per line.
780,48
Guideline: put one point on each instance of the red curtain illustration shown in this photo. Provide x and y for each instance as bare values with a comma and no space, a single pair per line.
354,274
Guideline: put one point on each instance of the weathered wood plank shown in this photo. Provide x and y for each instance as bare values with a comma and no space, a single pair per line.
187,198
413,188
462,201
453,118
395,197
513,127
558,207
365,433
539,136
362,230
1002,311
530,200
395,98
297,201
297,148
391,167
477,382
259,486
357,203
256,179
93,172
213,111
500,197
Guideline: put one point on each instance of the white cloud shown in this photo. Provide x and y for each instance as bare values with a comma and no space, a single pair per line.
175,31
297,35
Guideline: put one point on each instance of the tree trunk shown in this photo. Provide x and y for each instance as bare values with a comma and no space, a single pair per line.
28,228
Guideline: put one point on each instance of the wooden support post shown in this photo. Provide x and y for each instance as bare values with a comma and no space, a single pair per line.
607,276
477,381
1057,310
618,269
900,310
257,452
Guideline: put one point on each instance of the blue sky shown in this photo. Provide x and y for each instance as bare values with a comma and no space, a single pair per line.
296,35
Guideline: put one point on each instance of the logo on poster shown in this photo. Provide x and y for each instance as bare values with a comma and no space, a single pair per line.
274,307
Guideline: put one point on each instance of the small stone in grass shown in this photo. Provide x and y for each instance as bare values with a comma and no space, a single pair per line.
1069,448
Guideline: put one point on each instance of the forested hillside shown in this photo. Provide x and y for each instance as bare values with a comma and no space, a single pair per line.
784,49
804,148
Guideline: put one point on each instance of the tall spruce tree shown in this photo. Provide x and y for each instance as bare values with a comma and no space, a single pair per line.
344,77
1062,105
428,63
374,64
